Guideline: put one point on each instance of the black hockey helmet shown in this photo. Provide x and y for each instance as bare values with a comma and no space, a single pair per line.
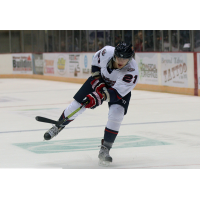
122,50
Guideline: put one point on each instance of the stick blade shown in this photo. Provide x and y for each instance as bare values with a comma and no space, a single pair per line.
46,120
37,118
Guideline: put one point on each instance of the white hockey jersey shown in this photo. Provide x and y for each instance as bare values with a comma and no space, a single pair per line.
121,80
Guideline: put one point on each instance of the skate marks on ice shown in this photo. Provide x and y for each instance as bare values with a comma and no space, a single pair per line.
9,99
88,144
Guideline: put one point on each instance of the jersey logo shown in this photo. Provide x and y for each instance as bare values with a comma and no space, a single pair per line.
130,69
103,52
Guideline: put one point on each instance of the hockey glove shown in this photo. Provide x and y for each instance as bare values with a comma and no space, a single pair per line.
98,85
94,99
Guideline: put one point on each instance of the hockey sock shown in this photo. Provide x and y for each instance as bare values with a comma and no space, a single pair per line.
109,136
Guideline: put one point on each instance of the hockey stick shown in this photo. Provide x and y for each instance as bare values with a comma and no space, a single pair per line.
58,123
46,120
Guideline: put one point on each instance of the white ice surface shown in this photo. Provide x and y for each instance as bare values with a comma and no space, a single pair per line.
170,119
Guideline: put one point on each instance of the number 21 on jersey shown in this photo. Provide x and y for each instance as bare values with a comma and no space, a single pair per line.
128,78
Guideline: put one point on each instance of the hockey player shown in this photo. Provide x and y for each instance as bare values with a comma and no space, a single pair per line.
114,75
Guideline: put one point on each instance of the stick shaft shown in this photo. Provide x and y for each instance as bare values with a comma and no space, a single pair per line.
58,123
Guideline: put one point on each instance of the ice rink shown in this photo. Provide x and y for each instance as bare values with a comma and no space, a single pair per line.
160,130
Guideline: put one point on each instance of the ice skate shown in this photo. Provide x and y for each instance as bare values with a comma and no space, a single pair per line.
52,132
104,158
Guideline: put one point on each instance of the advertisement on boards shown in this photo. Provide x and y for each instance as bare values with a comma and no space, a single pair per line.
174,69
22,63
86,60
48,61
60,64
55,64
148,68
74,69
37,63
198,69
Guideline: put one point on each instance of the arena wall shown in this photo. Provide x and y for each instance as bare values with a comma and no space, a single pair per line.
5,64
160,72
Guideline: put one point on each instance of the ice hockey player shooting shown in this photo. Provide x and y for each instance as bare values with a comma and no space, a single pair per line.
114,75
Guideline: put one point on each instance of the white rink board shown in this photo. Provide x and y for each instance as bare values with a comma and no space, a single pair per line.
6,64
160,130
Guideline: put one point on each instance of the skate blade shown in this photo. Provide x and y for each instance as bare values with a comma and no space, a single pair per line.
103,163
